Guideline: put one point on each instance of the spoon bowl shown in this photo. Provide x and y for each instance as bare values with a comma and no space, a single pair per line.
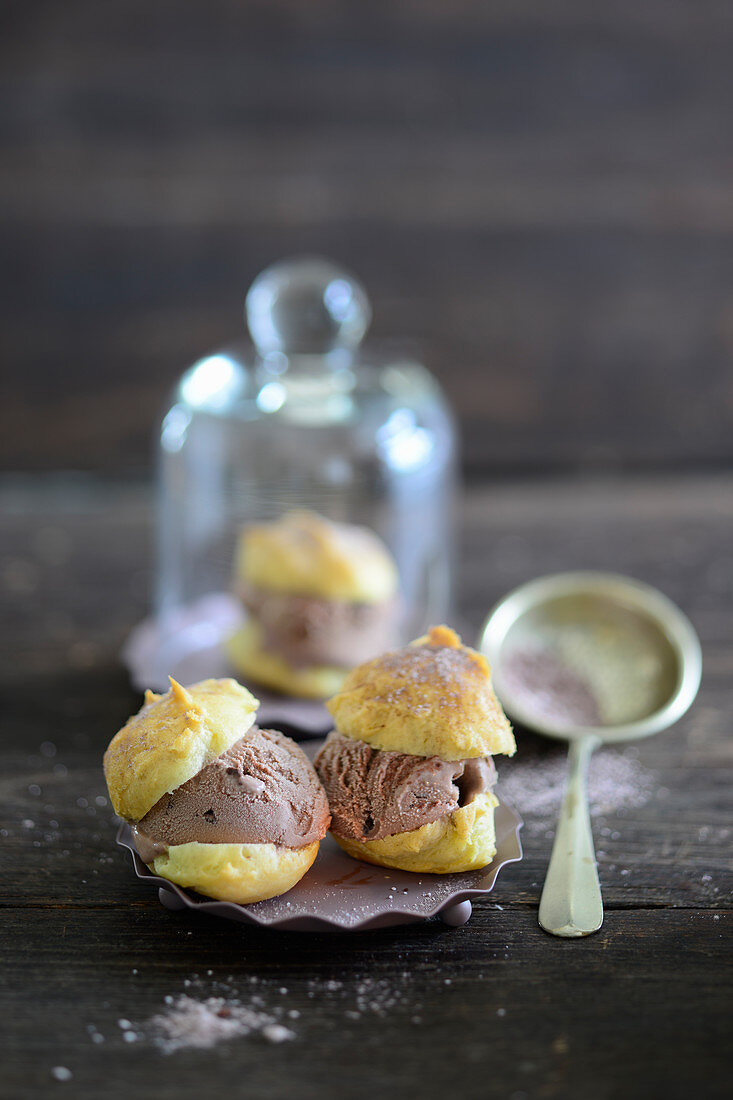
589,658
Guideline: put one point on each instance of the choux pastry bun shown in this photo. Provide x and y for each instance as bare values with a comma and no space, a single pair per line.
216,804
408,770
321,597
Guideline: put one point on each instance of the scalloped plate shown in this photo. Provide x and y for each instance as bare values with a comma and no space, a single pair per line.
343,894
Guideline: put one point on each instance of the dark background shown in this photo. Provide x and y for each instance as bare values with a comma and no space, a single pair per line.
540,194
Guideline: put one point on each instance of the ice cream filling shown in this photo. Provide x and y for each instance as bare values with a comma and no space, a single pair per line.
374,793
307,631
262,790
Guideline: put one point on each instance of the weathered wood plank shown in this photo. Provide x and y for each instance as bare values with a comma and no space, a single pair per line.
495,1008
675,851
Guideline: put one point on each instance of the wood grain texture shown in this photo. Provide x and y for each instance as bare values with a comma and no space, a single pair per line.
495,1008
600,1018
539,195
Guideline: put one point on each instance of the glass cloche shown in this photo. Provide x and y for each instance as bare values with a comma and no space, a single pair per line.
308,421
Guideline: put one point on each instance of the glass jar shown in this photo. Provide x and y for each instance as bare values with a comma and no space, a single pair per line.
310,419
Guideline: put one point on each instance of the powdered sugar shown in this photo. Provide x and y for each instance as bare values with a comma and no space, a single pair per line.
189,1023
277,1033
534,787
256,1009
444,668
552,690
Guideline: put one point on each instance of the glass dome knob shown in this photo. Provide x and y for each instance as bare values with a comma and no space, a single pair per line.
306,306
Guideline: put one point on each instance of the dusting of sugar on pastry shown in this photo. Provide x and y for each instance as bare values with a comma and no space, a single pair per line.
443,668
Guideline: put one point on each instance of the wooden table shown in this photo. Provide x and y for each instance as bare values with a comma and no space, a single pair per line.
495,1008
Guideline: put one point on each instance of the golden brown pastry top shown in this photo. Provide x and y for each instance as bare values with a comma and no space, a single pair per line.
171,738
431,698
305,554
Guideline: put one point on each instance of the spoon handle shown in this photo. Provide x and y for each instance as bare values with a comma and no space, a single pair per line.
571,903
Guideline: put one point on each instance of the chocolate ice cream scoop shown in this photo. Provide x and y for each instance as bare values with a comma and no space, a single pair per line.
263,790
374,793
306,630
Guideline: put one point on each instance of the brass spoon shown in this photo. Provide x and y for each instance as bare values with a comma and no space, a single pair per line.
626,663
